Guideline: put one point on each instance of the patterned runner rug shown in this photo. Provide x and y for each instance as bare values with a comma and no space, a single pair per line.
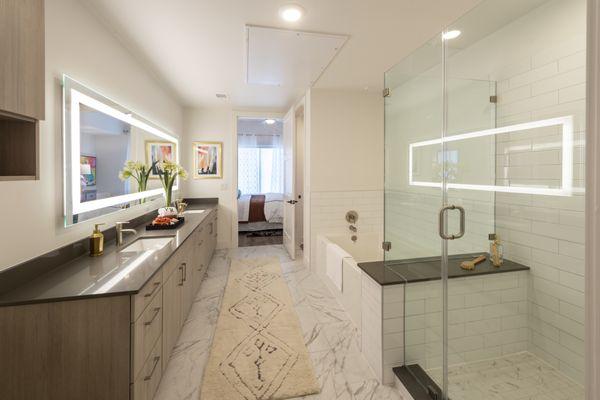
258,351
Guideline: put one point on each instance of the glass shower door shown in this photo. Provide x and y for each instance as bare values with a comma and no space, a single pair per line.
427,224
413,318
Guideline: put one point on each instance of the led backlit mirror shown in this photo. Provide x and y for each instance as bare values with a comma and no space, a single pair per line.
100,137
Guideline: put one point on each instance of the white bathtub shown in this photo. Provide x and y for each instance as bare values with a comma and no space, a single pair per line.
366,248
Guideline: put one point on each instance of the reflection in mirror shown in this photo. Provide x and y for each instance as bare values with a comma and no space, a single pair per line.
109,154
108,139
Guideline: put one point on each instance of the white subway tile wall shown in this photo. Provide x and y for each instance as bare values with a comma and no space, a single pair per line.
328,214
488,317
543,232
412,222
371,337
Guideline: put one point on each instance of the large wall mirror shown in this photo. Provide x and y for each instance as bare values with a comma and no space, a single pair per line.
101,137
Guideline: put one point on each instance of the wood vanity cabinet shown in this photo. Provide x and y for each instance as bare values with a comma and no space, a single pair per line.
98,348
181,277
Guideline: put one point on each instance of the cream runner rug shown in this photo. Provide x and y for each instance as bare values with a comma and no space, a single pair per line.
258,351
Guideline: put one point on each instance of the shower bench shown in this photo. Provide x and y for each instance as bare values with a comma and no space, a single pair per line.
400,316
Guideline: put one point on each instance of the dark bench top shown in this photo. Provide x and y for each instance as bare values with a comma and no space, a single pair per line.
429,269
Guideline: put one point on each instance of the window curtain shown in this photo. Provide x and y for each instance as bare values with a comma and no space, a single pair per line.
248,170
260,164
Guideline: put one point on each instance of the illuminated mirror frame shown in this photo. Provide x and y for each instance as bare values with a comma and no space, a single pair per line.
566,188
74,95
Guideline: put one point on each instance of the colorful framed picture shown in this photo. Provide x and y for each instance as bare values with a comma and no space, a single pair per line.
88,171
159,151
208,160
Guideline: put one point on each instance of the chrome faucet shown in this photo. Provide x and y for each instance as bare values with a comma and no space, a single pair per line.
120,230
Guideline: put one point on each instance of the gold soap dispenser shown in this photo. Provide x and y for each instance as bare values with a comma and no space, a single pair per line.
96,242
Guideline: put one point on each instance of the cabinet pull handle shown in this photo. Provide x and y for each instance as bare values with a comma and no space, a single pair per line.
154,289
184,272
156,360
211,228
201,242
181,269
156,311
201,266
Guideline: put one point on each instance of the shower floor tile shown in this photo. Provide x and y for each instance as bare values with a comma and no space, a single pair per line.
519,376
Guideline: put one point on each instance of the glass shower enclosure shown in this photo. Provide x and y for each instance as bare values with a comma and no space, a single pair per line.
484,135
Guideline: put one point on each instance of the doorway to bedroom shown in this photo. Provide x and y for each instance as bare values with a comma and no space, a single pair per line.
260,181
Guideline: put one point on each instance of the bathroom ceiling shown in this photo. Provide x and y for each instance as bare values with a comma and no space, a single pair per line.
282,57
196,48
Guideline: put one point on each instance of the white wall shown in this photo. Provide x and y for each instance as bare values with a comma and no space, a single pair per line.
345,157
76,44
215,125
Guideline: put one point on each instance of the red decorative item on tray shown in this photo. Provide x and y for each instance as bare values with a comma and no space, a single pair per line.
159,223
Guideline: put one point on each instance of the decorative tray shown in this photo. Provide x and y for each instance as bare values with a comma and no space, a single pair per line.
180,221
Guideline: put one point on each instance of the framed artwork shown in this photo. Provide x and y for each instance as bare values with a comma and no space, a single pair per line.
159,151
208,160
88,171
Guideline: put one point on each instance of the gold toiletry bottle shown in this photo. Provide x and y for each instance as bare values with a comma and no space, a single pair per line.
96,242
496,250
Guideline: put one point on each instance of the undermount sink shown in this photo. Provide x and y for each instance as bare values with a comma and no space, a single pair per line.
145,244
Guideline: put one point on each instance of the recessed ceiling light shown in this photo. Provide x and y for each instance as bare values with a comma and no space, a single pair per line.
221,95
291,12
451,35
269,121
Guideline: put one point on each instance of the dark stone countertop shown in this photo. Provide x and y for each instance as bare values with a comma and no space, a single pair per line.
114,273
429,269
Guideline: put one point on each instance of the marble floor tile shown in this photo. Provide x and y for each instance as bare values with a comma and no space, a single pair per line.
331,338
519,376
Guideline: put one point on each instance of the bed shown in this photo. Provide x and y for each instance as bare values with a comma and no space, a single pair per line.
266,207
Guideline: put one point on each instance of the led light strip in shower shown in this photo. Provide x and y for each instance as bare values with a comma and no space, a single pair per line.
566,188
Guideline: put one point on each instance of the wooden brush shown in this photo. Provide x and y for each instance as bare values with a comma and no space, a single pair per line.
470,265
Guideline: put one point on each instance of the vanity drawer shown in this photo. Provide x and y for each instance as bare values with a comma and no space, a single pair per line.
171,265
146,295
146,331
147,382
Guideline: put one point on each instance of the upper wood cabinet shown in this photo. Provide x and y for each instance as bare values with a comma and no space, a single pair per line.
22,57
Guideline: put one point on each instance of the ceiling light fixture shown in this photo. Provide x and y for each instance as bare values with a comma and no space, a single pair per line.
449,35
291,12
269,121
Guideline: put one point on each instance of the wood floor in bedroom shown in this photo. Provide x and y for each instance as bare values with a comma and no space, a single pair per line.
246,239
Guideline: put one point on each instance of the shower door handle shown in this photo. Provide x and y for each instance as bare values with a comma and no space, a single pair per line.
442,223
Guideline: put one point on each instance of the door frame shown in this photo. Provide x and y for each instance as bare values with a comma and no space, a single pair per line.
592,205
300,108
289,196
234,154
304,104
